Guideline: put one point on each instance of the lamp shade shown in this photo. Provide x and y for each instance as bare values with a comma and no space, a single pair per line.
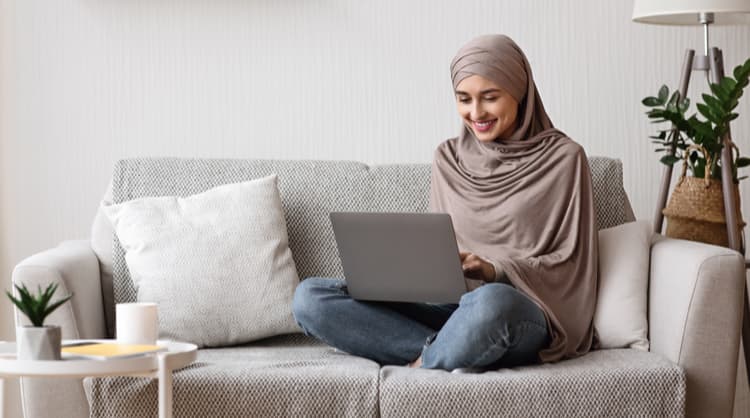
685,12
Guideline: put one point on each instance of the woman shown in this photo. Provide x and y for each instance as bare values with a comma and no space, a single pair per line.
520,197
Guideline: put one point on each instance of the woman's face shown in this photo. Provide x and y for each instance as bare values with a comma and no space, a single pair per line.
489,111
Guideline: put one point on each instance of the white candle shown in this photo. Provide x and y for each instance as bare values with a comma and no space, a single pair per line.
136,323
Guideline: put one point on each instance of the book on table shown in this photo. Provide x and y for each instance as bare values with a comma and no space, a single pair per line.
104,351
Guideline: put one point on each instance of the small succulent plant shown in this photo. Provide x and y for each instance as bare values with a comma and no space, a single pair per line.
37,306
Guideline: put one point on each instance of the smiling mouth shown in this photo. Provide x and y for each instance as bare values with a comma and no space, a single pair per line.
483,126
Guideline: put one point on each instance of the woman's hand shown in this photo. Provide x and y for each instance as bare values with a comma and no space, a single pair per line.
476,268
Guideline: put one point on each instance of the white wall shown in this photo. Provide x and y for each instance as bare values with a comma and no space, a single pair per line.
86,82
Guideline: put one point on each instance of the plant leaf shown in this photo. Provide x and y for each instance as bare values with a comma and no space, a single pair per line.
674,97
651,101
708,114
26,300
700,127
741,71
655,113
731,104
55,305
715,104
669,159
719,92
16,302
699,167
662,135
742,162
664,93
684,105
737,72
47,296
744,71
728,84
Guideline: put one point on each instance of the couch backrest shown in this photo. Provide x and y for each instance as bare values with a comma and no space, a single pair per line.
312,189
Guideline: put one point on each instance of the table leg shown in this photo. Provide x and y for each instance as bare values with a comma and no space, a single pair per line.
165,388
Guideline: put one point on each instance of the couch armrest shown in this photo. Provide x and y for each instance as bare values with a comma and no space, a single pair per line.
695,314
75,267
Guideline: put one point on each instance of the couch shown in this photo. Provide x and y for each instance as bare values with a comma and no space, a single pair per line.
695,301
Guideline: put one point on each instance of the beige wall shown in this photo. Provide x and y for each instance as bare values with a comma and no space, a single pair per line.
86,82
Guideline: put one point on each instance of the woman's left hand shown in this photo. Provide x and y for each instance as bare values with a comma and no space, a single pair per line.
476,268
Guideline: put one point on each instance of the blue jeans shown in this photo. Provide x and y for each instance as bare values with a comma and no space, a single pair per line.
493,326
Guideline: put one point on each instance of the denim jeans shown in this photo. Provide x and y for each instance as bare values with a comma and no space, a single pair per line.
493,326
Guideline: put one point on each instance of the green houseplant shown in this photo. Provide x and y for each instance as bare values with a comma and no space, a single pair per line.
38,342
717,110
696,207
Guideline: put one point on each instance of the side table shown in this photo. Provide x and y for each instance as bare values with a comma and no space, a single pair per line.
155,365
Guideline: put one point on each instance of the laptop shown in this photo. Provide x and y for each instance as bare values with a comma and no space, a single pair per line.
399,257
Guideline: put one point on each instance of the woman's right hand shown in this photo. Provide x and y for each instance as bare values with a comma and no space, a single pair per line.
477,268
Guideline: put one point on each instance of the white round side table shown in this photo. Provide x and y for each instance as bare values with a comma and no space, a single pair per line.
155,365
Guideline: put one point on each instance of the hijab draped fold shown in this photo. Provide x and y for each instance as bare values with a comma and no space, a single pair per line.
525,203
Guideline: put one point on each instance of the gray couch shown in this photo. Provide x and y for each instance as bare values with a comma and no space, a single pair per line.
694,318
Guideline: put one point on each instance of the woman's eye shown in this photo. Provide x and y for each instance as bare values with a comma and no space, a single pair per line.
464,99
490,98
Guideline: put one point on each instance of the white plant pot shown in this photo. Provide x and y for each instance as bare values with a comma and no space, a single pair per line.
38,343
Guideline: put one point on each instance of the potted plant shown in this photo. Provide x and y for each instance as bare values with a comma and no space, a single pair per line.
717,109
696,209
38,342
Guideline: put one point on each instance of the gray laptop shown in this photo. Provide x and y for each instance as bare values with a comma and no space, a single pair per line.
399,257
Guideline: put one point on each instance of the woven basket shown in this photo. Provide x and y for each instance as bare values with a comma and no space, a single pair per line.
696,207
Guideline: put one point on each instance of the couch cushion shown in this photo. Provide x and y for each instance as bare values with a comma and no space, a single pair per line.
621,315
310,190
296,376
610,200
282,376
605,383
216,263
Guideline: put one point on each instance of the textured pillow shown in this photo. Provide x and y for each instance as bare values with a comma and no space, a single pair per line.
217,263
621,309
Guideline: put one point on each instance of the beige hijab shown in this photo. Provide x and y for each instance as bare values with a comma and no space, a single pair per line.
525,204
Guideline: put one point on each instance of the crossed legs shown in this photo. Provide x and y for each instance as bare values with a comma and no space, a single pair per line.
493,326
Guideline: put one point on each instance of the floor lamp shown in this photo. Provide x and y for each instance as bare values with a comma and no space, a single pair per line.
705,13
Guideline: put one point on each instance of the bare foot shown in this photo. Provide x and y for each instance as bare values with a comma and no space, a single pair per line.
416,363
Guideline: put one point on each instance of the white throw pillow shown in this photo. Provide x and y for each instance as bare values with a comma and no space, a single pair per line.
217,263
621,317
